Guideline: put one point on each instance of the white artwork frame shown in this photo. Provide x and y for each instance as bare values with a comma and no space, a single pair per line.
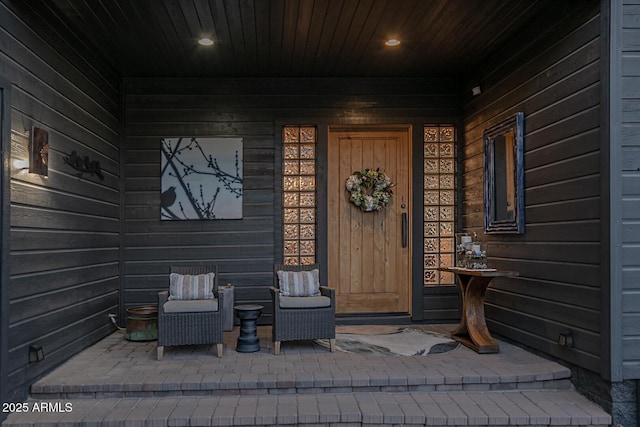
201,178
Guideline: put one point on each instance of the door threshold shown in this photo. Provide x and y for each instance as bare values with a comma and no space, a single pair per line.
374,319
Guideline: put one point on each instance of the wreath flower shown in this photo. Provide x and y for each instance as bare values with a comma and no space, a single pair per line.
369,189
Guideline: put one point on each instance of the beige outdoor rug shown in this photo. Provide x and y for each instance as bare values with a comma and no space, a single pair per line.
382,340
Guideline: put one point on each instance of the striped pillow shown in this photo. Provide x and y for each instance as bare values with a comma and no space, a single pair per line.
191,287
299,283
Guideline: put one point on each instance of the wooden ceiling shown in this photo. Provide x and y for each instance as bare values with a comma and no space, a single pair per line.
294,38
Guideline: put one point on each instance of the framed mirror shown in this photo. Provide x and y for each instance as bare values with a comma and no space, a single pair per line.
504,177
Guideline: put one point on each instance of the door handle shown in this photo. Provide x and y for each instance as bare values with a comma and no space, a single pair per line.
404,229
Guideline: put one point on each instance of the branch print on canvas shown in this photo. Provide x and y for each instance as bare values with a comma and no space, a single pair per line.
201,178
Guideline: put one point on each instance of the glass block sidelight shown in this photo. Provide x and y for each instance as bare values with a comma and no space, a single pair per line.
291,198
431,166
291,232
291,151
431,213
308,231
447,245
439,182
299,194
431,245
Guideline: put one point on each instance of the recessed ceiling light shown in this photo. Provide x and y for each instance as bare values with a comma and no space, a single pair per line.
206,41
392,42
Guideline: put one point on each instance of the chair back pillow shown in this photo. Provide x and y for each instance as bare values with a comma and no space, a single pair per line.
191,287
299,283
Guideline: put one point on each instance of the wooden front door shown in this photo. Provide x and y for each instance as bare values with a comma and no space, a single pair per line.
369,252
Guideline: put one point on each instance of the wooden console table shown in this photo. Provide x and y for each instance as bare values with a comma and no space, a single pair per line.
472,330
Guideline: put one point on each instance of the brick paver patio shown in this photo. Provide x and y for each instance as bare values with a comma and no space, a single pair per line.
119,383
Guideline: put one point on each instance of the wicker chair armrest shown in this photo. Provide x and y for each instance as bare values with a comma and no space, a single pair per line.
220,297
328,292
275,297
163,297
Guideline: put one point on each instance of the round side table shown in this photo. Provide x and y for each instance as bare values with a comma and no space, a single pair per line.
248,314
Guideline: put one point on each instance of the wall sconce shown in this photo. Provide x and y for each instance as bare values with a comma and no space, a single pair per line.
36,353
20,164
19,151
39,151
476,90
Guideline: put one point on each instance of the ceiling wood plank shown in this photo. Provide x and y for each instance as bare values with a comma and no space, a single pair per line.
310,53
208,54
297,38
225,43
263,46
123,20
340,34
158,22
301,40
237,36
146,49
248,17
184,41
356,28
378,58
326,35
276,20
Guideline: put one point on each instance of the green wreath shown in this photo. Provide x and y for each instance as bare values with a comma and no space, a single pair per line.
369,189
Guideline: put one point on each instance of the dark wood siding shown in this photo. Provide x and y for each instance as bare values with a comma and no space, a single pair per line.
64,238
628,147
253,109
552,74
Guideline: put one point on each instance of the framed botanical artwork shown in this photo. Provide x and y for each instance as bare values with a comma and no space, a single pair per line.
201,178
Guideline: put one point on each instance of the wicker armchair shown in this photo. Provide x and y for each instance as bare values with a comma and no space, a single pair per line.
302,321
203,325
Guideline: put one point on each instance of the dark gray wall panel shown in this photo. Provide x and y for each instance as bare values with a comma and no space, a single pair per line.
629,151
252,109
557,86
64,250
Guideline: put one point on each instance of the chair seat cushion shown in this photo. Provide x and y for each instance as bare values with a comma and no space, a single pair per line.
305,302
191,286
186,306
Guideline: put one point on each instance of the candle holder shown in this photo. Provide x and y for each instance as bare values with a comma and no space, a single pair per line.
476,258
463,244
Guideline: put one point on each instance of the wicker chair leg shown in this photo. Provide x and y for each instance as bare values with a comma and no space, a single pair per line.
219,349
276,347
160,353
332,345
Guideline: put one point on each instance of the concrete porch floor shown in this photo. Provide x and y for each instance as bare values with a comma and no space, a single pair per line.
120,383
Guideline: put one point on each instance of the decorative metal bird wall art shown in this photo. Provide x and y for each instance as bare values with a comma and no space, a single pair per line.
84,165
